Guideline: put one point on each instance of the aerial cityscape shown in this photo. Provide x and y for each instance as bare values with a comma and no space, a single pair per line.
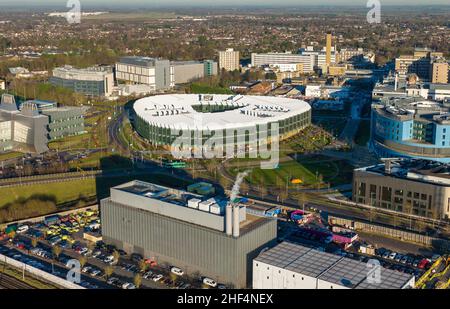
243,146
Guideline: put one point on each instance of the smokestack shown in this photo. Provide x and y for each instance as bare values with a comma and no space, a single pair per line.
387,166
229,219
328,50
396,82
236,221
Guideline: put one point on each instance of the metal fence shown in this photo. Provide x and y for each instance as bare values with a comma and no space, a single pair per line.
40,273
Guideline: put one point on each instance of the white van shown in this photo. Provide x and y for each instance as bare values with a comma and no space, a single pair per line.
177,271
22,229
210,282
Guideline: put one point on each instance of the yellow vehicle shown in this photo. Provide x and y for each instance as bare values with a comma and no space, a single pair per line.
89,213
64,237
49,232
70,240
296,181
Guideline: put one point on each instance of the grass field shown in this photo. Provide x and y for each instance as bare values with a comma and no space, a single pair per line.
10,155
72,190
63,191
309,171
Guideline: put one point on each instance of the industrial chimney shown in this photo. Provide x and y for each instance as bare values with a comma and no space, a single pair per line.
388,166
229,219
236,221
328,50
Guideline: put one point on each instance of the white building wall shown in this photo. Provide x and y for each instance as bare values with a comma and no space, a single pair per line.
270,277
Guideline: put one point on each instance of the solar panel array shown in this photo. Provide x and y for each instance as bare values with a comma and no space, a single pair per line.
331,268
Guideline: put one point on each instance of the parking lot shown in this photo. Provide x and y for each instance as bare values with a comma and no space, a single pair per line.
51,245
410,263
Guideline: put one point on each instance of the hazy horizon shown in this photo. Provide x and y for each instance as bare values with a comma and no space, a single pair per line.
225,3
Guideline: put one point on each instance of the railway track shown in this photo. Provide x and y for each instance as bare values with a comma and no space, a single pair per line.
7,282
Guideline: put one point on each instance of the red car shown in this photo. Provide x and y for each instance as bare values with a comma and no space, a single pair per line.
423,264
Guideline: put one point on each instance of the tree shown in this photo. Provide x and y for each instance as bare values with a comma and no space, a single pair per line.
109,270
143,266
56,251
34,242
82,260
116,255
137,280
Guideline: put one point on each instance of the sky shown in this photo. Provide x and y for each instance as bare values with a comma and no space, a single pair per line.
162,3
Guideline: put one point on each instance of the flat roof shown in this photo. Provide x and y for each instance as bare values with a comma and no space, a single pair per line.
426,171
175,111
329,267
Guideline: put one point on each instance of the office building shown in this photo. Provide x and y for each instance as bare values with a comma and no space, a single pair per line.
153,72
439,72
411,186
320,57
22,130
62,121
161,74
229,60
186,71
270,59
411,127
294,266
93,81
211,238
350,54
421,63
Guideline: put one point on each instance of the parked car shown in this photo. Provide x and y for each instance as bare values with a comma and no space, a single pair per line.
177,271
128,286
136,257
386,254
108,259
22,229
423,264
392,255
112,280
86,269
398,257
157,277
404,259
210,282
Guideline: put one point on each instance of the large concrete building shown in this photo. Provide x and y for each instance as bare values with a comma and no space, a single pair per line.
439,72
63,121
411,186
187,71
293,266
307,60
229,59
211,238
222,121
422,63
93,81
29,127
411,127
161,74
22,130
154,72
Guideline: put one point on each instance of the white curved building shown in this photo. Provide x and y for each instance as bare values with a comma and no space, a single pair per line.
161,119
